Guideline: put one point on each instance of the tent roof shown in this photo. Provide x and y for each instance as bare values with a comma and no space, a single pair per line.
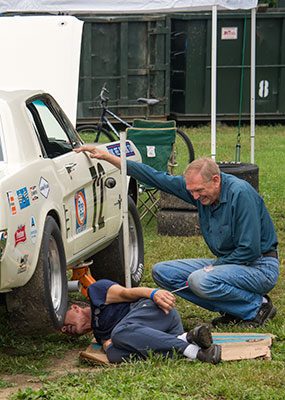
123,6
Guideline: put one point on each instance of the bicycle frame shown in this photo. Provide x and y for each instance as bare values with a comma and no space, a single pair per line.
111,126
112,133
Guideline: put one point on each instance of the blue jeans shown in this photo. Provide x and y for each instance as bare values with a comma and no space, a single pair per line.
146,328
230,288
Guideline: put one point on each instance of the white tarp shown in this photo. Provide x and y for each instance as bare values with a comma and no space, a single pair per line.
123,6
42,52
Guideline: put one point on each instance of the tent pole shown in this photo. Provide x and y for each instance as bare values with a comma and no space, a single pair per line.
128,283
252,86
214,82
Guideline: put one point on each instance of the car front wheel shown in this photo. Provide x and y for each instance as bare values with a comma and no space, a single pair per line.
40,305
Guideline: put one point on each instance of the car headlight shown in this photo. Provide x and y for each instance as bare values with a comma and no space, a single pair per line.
3,241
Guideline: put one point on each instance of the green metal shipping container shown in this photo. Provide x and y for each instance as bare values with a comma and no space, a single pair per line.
191,65
132,54
281,3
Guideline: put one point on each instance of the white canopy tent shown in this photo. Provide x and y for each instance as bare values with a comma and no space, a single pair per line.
123,6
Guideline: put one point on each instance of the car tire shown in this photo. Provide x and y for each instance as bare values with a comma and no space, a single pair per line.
247,171
109,263
40,305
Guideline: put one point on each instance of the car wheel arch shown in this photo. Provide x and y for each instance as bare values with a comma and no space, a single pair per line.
55,216
133,190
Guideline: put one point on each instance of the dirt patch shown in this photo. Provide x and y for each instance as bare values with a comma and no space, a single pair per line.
58,367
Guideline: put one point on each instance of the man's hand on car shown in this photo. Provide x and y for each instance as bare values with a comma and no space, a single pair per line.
94,151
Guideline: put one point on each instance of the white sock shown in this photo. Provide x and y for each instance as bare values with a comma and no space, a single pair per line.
191,351
264,300
183,337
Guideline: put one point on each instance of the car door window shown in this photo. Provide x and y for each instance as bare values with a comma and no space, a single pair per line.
54,133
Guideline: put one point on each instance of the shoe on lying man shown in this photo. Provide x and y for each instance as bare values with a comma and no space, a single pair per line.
202,337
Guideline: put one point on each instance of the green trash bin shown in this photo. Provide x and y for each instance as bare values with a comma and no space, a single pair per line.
129,52
191,65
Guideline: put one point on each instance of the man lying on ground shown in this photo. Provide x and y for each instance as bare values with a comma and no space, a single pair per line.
132,322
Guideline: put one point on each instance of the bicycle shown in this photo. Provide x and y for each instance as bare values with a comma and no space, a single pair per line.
183,151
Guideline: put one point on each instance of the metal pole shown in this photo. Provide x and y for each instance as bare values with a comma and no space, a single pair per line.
128,282
214,82
252,85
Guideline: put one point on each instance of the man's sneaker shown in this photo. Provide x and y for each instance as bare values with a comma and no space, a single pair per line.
201,335
210,355
225,320
267,311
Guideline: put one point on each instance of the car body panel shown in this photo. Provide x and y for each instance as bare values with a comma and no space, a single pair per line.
69,186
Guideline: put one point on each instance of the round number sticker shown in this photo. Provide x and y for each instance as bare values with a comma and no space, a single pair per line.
80,208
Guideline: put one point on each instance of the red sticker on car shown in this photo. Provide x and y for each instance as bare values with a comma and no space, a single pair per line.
20,235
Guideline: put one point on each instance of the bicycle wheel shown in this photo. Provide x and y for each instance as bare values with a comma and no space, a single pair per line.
89,133
183,154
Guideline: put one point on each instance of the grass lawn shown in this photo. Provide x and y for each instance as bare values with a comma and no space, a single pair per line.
176,378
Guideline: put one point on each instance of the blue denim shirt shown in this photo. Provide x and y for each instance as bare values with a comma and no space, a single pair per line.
237,230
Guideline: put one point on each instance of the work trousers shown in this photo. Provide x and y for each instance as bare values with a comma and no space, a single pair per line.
146,329
230,288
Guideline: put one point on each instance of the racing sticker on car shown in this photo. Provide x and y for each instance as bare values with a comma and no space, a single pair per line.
115,150
12,204
20,235
34,193
97,181
23,198
23,264
33,230
44,187
80,211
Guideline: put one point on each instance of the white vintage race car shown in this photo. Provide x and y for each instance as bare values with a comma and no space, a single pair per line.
59,210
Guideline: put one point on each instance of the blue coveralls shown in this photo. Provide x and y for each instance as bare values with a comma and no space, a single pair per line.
135,328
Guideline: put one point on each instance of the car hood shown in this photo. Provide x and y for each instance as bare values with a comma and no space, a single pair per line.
42,53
